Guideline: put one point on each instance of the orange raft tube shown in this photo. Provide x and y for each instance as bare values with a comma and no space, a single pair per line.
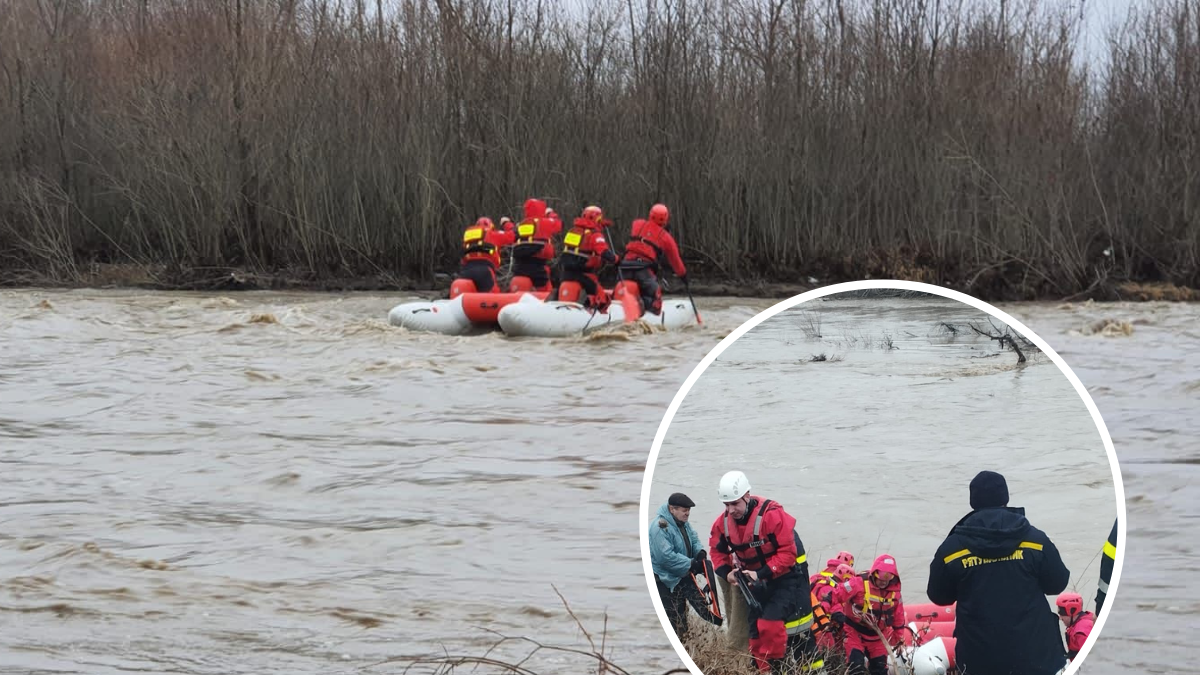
483,308
928,642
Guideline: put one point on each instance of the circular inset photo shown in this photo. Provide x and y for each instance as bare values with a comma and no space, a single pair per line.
882,477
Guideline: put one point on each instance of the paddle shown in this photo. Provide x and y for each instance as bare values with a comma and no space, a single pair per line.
688,288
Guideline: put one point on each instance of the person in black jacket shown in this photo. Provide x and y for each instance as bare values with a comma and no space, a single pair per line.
1000,569
1106,567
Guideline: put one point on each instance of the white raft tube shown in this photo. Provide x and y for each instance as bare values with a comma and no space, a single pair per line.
530,317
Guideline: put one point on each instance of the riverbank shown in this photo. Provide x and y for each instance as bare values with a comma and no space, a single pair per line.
228,279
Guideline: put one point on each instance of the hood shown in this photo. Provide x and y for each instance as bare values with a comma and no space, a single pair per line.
885,563
832,564
585,224
664,512
995,532
535,208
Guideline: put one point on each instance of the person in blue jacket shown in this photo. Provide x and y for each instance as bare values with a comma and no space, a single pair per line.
675,554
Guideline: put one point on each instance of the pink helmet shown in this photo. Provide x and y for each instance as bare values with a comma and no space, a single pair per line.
843,572
485,223
846,557
1069,604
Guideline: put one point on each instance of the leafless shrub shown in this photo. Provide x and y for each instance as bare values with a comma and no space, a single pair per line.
952,143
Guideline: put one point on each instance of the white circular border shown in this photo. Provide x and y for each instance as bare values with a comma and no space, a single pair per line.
644,511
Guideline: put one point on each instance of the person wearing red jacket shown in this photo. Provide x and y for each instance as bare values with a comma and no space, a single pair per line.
1078,622
534,248
585,251
649,244
481,252
871,601
825,592
756,538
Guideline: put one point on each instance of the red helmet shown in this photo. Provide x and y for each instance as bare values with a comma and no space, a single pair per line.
535,208
1069,604
592,213
846,557
485,222
659,215
843,572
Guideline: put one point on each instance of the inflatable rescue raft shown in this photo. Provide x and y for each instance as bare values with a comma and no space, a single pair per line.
462,315
935,657
929,641
929,646
530,317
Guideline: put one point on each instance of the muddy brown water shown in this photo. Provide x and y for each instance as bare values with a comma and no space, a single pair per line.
283,483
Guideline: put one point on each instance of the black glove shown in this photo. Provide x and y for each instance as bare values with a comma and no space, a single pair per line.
698,565
839,618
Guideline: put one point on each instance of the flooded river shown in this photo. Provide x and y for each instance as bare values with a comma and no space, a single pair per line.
872,449
283,483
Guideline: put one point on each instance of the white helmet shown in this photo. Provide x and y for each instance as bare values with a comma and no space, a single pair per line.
734,485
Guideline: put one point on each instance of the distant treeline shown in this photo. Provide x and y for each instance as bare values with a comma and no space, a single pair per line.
952,142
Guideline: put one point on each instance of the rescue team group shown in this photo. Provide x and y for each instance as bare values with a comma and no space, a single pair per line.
585,251
994,564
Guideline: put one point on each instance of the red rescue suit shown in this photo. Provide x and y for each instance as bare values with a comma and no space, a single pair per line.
585,250
650,243
824,587
481,254
484,243
764,542
1078,632
863,603
534,248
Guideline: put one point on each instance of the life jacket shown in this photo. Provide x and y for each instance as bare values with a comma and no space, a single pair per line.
645,242
580,250
578,241
533,238
879,603
821,621
477,247
753,554
823,584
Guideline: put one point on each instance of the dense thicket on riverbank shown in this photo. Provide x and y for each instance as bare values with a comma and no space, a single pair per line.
324,140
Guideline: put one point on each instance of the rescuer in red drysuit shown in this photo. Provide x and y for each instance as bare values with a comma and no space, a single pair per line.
824,590
585,251
534,248
649,243
481,254
872,599
1078,622
755,537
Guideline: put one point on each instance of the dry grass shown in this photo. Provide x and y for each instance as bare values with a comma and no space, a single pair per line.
708,647
592,660
1159,291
